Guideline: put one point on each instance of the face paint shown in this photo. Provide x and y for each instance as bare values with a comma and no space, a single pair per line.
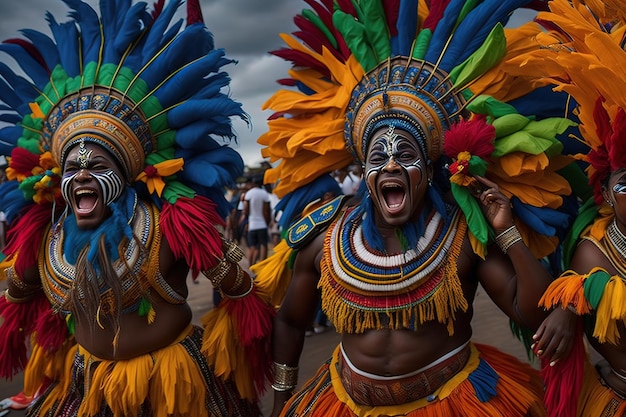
619,188
110,183
395,175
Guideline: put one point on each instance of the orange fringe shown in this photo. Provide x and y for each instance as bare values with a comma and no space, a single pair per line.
519,394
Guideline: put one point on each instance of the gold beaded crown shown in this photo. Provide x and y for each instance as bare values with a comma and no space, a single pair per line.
407,93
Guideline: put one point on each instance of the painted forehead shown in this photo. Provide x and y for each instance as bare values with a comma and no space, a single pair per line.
392,138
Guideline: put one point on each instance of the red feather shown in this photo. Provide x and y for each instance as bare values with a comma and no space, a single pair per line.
475,136
254,326
392,8
189,227
194,12
23,161
17,325
599,158
26,234
31,50
435,14
564,379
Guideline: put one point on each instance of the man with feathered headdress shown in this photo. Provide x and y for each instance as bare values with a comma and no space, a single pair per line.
458,189
118,141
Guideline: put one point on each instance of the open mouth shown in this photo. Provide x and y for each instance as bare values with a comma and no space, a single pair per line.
86,201
393,195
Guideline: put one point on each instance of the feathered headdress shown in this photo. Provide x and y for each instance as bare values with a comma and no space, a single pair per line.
416,64
581,53
148,92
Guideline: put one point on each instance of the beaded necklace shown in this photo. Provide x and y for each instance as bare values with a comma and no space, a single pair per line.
616,247
364,289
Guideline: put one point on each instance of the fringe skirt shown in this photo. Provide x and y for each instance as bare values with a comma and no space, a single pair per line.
492,384
172,381
597,399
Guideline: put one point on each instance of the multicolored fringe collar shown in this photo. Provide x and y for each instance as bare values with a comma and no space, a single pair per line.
364,289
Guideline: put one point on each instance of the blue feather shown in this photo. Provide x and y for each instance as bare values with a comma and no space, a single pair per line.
407,27
215,109
66,38
12,200
475,28
185,83
204,173
9,136
87,18
443,30
155,36
223,157
130,30
484,379
8,96
178,54
10,118
45,46
195,137
29,65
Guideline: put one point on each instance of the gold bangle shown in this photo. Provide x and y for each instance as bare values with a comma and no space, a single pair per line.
233,252
285,377
17,300
508,238
217,274
243,294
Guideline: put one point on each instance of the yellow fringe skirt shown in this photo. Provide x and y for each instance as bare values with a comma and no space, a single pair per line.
492,384
172,381
597,399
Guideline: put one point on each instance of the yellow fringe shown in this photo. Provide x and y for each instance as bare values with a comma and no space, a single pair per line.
596,399
224,351
611,311
273,274
44,365
441,306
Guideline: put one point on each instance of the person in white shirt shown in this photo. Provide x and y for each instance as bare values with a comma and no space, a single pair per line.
257,209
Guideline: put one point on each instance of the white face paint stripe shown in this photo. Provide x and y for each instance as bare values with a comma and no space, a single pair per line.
110,183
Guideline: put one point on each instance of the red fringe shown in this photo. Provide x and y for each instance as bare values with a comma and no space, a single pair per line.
51,330
26,234
189,227
564,380
18,323
254,320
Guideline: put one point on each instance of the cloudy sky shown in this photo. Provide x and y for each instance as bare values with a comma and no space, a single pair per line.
247,29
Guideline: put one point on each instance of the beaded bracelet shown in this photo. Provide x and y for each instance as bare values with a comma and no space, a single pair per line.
285,377
217,274
508,238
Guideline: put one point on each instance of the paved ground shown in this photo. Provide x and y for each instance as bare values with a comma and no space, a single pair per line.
490,326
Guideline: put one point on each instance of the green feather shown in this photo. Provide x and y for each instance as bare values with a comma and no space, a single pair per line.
490,52
594,287
71,325
421,44
317,21
144,307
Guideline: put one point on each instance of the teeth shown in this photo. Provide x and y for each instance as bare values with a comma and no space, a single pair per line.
81,192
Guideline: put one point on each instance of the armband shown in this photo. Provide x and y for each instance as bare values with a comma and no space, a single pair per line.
308,227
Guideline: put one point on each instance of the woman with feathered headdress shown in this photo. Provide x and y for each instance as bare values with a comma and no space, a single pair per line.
458,189
580,52
118,140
